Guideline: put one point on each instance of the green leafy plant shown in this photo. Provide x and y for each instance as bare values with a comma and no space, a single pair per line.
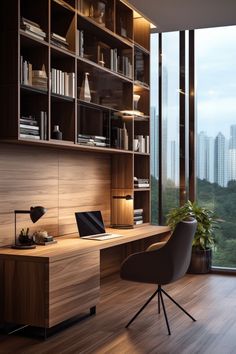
204,237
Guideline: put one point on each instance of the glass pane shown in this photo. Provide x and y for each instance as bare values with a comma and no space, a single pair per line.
215,65
170,121
154,126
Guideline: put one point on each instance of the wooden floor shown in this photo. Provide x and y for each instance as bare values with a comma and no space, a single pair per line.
210,298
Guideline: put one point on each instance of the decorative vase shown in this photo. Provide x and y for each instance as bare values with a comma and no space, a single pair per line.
56,134
85,90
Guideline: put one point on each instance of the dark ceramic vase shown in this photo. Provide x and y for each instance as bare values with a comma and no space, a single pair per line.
200,261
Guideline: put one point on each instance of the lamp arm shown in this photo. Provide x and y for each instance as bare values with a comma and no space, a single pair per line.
22,211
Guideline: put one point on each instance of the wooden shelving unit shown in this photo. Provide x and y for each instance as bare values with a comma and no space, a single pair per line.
108,40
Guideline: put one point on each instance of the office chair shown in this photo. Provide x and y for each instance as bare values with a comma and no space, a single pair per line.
162,266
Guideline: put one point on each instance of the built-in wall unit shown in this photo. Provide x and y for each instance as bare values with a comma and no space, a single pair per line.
74,133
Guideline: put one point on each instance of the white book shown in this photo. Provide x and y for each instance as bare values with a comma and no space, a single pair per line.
32,127
62,83
66,84
58,81
53,81
26,136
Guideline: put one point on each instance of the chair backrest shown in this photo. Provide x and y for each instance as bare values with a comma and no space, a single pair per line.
178,249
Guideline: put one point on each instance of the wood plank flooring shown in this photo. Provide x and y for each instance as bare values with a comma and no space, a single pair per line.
211,299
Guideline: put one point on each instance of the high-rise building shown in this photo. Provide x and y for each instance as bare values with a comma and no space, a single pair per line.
201,156
232,154
220,168
210,159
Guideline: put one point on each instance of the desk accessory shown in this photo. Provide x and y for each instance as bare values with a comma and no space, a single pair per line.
24,241
42,238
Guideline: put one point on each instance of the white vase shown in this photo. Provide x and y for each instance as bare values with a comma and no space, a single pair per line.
85,90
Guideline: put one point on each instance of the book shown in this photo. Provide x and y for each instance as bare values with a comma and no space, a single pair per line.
138,222
138,217
26,136
26,126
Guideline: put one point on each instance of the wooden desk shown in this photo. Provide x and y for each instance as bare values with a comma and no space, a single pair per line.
50,284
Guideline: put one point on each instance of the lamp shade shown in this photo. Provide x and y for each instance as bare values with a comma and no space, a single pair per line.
36,213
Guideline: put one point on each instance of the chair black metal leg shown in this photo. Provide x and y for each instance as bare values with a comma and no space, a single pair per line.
164,310
142,308
158,299
176,303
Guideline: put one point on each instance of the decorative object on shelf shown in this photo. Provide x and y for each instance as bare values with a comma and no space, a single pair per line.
99,13
85,93
136,99
101,60
56,133
141,182
23,241
122,211
124,138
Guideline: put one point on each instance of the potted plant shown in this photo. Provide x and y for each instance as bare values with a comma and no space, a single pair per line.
204,238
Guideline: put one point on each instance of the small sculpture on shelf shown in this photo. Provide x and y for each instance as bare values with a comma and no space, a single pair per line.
85,93
99,13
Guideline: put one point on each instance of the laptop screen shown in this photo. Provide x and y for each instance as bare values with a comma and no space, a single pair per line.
89,223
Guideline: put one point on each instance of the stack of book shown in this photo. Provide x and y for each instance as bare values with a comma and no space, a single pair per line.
29,128
120,63
92,140
32,28
144,143
40,79
63,83
141,182
59,41
138,216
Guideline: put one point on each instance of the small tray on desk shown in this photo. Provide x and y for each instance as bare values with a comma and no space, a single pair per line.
46,243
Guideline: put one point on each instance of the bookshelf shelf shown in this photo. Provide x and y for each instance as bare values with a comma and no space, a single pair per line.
33,90
54,44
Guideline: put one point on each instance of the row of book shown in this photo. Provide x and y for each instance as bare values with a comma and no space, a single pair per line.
28,76
141,182
120,63
34,127
143,143
63,83
32,28
138,216
93,140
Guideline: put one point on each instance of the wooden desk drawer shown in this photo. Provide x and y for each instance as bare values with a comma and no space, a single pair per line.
74,286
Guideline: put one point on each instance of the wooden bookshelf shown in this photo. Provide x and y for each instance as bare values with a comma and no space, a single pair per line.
62,40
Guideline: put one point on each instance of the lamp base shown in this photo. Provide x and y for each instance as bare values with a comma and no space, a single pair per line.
23,247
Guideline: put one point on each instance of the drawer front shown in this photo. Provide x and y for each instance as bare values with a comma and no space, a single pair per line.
74,286
25,292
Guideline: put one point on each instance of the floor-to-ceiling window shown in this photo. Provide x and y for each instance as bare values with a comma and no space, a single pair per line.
215,102
170,121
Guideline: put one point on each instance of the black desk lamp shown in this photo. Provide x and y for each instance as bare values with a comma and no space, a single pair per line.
35,214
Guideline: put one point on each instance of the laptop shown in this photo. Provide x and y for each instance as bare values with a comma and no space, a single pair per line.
91,227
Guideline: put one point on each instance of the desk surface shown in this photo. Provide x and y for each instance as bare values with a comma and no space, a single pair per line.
72,245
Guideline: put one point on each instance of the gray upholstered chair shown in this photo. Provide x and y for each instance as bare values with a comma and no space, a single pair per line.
163,265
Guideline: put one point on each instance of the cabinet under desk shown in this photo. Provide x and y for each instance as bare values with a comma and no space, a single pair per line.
50,284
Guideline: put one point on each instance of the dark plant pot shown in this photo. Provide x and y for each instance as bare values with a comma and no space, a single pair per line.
200,261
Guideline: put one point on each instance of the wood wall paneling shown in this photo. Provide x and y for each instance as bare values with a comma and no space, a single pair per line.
61,181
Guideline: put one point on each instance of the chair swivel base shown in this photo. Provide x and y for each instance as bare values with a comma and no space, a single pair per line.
159,292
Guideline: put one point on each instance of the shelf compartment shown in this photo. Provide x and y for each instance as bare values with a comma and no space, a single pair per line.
141,67
63,115
34,103
101,12
105,88
124,20
119,123
63,24
141,31
142,201
38,14
144,100
91,122
142,167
